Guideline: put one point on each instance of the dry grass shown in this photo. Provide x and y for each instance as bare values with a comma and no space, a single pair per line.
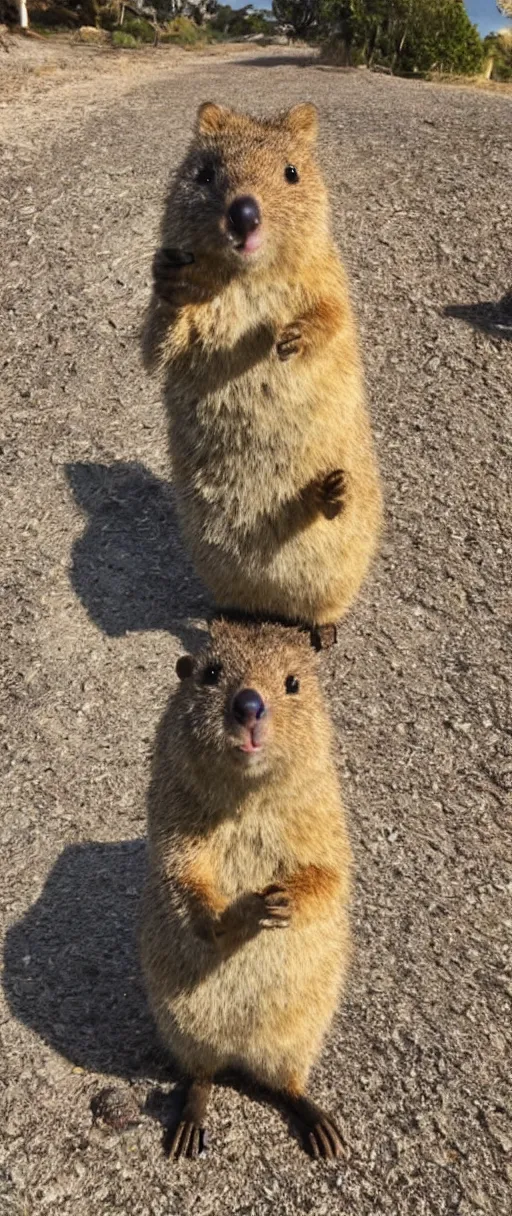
502,88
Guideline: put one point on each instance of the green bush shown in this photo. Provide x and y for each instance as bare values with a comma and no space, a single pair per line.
499,46
304,17
139,29
411,37
183,32
108,17
336,53
238,23
119,38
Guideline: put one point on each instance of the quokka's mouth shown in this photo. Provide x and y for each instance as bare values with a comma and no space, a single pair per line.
251,244
251,744
250,749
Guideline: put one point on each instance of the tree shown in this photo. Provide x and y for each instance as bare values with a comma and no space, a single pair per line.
409,36
13,12
441,36
499,49
238,23
302,16
347,20
505,7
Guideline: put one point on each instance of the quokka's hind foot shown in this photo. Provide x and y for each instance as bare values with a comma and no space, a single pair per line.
321,1136
189,1138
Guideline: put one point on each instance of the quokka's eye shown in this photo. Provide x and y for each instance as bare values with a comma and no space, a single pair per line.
206,175
292,684
291,174
212,673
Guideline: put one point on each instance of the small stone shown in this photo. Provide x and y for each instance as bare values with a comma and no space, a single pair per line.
116,1108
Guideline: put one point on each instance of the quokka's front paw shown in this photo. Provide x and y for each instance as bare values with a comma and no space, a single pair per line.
290,341
171,279
267,909
275,907
329,492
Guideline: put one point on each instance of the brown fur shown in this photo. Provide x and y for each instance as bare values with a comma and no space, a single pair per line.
263,380
310,887
245,935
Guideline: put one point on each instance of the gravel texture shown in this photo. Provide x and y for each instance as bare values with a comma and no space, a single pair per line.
98,599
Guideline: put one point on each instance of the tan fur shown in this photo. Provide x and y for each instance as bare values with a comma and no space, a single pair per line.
249,433
227,992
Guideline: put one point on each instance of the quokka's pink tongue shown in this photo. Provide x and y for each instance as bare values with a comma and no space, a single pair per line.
253,241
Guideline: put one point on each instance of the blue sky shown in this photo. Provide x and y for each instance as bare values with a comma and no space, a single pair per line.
485,15
483,12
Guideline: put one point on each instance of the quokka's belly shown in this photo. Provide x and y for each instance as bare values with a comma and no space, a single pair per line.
257,573
262,985
239,471
311,574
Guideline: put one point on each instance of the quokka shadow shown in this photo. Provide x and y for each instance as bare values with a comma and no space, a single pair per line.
71,974
277,61
493,318
71,971
129,568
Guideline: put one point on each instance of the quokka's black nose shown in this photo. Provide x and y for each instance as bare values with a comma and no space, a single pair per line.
248,706
244,215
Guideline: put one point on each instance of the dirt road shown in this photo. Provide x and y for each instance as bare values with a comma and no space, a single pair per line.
98,600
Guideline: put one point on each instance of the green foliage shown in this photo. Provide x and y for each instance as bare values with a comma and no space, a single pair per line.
237,23
303,16
54,18
139,29
119,38
258,23
441,36
183,32
62,15
499,46
227,20
408,36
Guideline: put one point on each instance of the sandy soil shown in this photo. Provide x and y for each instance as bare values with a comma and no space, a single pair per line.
98,599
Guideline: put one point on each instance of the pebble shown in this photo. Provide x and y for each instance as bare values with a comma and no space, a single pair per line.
116,1108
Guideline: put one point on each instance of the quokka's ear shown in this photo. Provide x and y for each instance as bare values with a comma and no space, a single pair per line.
211,118
302,120
185,667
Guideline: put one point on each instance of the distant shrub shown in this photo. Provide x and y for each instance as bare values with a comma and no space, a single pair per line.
89,34
499,47
409,37
182,31
240,23
335,52
139,29
127,41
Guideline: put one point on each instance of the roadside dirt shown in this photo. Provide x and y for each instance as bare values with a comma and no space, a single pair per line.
98,599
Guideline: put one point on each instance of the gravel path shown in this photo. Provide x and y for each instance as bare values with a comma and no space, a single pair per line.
98,600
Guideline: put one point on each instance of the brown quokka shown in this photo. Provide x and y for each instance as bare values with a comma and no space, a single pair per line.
250,319
245,932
